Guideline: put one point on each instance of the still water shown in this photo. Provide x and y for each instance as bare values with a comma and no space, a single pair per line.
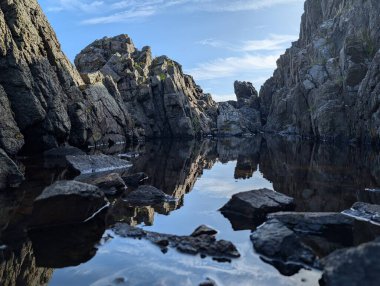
202,175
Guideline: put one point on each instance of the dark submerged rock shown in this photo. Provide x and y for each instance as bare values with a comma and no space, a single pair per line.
255,205
204,244
86,164
301,239
67,202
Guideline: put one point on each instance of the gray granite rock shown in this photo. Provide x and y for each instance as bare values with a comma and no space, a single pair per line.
86,164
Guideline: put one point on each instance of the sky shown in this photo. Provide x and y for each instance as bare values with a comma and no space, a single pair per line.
215,41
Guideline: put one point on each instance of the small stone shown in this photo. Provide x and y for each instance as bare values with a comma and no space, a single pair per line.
204,230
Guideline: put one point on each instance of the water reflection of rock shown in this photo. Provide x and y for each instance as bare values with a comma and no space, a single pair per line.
320,177
18,267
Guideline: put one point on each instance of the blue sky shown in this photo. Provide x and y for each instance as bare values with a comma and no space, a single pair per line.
216,41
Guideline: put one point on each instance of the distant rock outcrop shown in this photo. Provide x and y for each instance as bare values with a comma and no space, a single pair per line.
241,116
326,86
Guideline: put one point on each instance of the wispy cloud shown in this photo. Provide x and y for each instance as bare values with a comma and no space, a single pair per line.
272,43
232,66
112,11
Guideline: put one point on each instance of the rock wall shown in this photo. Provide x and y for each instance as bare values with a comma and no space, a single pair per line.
326,85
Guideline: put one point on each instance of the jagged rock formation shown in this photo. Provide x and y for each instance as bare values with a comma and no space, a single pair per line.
327,84
162,101
241,116
49,100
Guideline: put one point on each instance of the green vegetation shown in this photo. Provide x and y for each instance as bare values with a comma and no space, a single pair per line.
162,76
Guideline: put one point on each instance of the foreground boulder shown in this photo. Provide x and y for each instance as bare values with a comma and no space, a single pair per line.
10,174
255,205
204,244
86,164
291,240
67,202
364,211
353,267
147,195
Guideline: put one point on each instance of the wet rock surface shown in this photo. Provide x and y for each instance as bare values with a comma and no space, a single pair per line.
290,241
205,244
353,266
87,164
67,202
256,204
364,211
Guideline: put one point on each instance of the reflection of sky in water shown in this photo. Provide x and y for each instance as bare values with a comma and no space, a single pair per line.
142,263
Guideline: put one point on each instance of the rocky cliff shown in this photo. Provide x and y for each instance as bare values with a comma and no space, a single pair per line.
327,84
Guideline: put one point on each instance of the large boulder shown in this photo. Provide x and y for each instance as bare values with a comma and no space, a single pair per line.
255,205
67,202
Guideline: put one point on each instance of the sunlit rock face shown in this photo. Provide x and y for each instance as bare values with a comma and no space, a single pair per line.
162,100
326,85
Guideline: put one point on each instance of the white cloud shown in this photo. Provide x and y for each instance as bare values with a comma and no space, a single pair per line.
272,43
233,66
112,11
